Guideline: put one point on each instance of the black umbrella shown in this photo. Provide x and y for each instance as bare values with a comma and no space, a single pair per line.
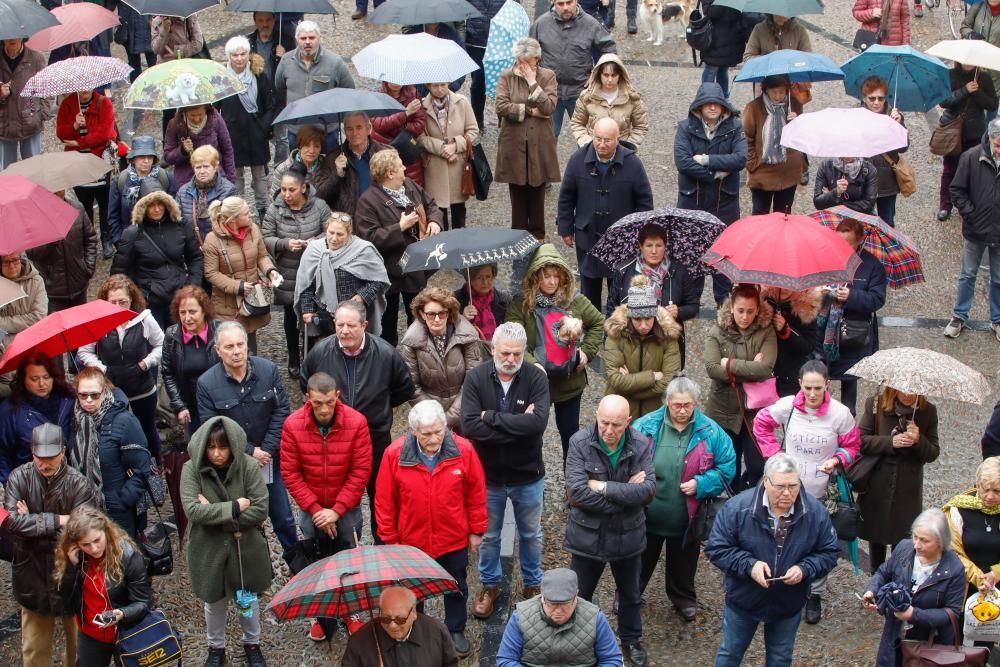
330,106
176,8
465,248
279,6
23,18
418,12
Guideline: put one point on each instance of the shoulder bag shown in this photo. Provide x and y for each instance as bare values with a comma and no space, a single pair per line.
844,514
156,488
468,180
864,38
704,517
481,173
855,334
149,643
918,653
698,33
861,471
162,291
406,145
906,175
259,301
946,137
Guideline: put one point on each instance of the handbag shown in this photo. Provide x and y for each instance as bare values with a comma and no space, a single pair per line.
482,174
946,137
855,334
761,394
468,180
149,643
864,38
699,32
843,514
861,470
406,145
982,617
918,653
259,301
704,517
156,488
156,548
906,175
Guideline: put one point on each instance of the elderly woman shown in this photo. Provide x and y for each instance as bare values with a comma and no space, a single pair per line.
549,296
447,140
773,170
694,460
610,94
975,534
847,181
874,97
20,314
142,176
200,125
641,353
293,220
431,494
174,37
925,566
129,354
207,186
482,302
308,153
392,214
248,117
794,322
403,126
899,431
526,149
439,348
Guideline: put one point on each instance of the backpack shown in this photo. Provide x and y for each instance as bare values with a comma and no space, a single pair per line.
699,32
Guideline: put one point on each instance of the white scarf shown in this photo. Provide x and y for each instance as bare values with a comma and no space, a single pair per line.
248,98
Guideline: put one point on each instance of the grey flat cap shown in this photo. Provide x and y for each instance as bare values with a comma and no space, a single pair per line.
559,585
47,440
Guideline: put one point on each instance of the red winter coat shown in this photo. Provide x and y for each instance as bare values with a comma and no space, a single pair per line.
326,472
435,512
899,19
100,119
386,128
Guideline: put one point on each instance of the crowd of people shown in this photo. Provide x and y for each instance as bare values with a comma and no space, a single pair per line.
200,251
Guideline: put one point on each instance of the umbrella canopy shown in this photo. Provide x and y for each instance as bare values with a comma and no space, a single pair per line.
23,18
976,52
925,372
689,236
30,215
10,292
510,24
351,581
277,6
182,83
781,250
59,171
916,81
466,248
413,59
779,7
329,107
75,74
855,132
64,331
796,65
79,22
418,12
179,8
894,249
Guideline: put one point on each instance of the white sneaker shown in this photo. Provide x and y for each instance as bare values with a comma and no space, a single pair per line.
954,328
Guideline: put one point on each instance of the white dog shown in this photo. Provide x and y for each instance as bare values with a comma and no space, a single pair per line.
184,90
649,18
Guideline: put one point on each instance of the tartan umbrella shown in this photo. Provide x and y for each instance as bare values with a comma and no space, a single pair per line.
893,248
352,580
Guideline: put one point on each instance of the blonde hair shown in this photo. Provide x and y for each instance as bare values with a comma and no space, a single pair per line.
563,295
381,162
988,470
83,520
225,210
344,219
206,153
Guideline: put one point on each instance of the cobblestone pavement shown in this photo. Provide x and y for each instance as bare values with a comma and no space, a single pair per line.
847,635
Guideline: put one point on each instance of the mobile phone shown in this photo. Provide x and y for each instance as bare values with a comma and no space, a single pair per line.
775,579
104,619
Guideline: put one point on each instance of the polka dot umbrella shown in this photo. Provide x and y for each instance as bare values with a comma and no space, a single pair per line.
509,25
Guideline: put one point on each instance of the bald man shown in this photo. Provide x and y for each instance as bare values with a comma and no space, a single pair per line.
609,480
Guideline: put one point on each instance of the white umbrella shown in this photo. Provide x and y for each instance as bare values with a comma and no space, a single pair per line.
976,52
855,132
924,372
413,59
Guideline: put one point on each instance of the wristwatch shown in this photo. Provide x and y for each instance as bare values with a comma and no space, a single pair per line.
604,488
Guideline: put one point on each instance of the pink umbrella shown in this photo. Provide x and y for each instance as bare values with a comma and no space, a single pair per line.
75,74
81,22
855,132
30,215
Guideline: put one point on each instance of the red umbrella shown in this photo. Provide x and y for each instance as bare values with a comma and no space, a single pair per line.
64,331
81,22
781,250
30,215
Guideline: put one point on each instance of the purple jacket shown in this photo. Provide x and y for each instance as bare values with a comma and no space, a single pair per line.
215,134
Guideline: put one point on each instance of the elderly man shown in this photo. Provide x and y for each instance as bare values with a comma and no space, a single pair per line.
21,118
348,165
569,38
770,541
400,636
505,409
609,480
432,495
604,181
558,628
248,390
40,496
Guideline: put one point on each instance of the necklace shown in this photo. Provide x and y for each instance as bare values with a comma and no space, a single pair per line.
989,528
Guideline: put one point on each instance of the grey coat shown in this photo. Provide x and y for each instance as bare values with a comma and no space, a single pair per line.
293,81
566,48
281,224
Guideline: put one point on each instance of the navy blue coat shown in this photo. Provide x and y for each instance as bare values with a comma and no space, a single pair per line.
477,31
17,422
742,535
139,33
867,297
729,35
944,588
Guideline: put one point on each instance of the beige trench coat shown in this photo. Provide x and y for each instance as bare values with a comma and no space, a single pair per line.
443,180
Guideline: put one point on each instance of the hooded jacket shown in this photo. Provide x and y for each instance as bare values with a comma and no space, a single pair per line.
215,134
280,225
861,193
68,265
975,191
766,37
731,32
627,109
797,340
22,117
20,314
567,45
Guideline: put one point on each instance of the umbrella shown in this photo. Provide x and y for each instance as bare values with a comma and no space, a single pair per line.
75,74
466,248
855,132
779,7
278,6
351,581
976,52
10,292
892,597
925,372
894,249
23,18
797,65
509,25
916,81
329,106
30,215
64,331
781,250
80,22
181,83
60,171
413,59
418,12
689,236
178,8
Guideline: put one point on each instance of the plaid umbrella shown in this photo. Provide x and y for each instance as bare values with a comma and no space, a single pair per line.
893,248
351,581
75,74
924,372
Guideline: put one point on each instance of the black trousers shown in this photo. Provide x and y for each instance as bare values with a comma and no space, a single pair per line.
390,318
135,62
456,219
88,196
679,568
746,450
877,554
766,201
291,324
626,574
527,209
91,652
849,394
455,563
477,92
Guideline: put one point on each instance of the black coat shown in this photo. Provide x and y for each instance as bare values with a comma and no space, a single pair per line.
861,192
991,436
729,35
182,387
131,593
867,297
287,41
68,265
250,132
477,31
974,106
975,191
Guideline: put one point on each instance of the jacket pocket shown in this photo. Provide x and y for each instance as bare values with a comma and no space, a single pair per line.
584,532
265,397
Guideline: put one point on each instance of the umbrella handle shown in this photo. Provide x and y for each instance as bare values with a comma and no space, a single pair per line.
344,575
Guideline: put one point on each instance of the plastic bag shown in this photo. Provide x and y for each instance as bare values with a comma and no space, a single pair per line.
980,606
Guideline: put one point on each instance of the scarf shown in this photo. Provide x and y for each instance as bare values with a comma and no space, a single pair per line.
240,233
201,203
850,166
828,321
133,182
195,129
86,455
399,196
441,343
777,113
970,500
248,97
657,275
542,301
441,111
484,320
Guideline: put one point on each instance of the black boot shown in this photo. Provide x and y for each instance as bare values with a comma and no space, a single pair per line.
216,657
107,249
254,657
632,27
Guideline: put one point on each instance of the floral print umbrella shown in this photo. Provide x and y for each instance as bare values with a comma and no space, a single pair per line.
917,371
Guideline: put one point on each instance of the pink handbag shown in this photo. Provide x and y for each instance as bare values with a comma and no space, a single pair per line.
760,394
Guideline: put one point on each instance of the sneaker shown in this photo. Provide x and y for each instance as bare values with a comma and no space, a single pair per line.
216,657
918,10
954,328
814,609
316,631
995,328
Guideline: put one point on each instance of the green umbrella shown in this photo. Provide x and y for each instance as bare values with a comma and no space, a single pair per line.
182,83
779,7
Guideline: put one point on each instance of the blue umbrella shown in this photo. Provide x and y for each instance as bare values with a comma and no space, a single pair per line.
916,81
509,25
797,65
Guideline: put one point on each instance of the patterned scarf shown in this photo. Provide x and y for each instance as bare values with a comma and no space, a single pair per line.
484,319
828,321
399,196
86,455
248,98
133,182
440,344
777,113
201,205
542,301
441,111
970,500
851,166
657,275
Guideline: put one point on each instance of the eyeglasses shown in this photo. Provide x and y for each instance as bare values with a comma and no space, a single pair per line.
398,620
876,98
783,488
436,314
11,262
343,217
89,395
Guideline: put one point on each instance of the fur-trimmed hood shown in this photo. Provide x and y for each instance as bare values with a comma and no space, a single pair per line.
173,211
805,304
724,318
614,326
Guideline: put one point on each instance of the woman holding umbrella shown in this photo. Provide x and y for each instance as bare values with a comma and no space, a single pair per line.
874,97
847,181
192,127
412,121
773,170
482,302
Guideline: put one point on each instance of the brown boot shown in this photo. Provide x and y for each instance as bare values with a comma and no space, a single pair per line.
482,607
528,592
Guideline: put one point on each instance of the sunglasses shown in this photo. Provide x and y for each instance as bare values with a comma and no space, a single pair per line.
876,98
343,217
398,620
89,395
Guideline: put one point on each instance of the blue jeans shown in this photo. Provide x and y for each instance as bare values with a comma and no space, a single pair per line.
29,147
563,107
972,257
280,510
362,5
887,209
527,502
716,74
738,630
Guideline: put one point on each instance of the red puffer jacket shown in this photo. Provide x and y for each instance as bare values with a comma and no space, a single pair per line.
433,511
326,472
899,19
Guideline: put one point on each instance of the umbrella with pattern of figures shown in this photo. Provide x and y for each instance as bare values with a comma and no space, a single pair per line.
509,25
466,248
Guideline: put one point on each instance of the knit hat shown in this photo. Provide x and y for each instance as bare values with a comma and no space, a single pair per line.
642,301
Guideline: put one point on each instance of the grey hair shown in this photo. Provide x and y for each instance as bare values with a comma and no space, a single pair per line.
935,521
306,26
354,306
993,129
425,413
351,114
238,43
682,385
512,331
780,464
526,47
230,325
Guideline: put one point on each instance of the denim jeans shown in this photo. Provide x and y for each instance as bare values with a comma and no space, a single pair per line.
738,630
280,510
362,5
720,75
527,502
972,257
29,147
626,575
564,106
887,209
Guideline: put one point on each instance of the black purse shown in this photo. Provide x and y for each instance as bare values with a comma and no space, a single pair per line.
843,514
699,32
482,174
407,146
865,38
704,517
855,334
